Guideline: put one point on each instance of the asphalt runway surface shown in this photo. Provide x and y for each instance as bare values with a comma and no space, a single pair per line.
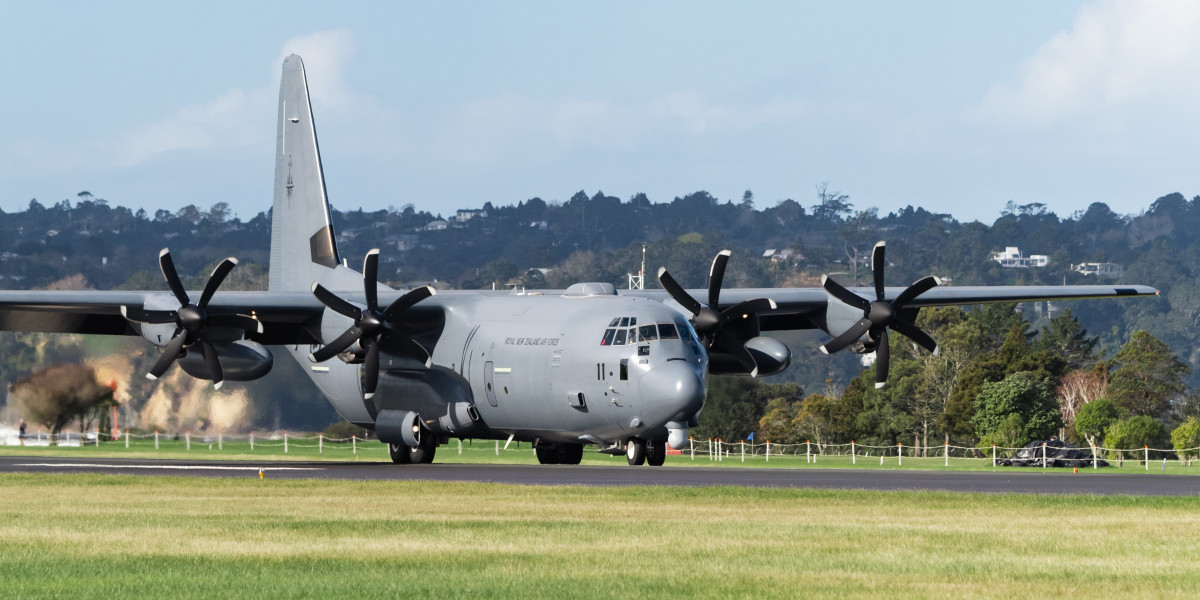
1033,482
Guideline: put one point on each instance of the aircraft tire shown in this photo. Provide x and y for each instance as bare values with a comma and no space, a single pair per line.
547,454
423,452
635,451
656,453
401,454
570,454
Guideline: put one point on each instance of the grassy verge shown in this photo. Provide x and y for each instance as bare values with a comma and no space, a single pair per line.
121,536
489,452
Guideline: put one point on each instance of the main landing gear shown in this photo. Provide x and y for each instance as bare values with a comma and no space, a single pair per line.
639,451
559,454
403,454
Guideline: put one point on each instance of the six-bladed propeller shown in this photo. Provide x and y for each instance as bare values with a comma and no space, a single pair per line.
370,324
880,315
191,320
712,325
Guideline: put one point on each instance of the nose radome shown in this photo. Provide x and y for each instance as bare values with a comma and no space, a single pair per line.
675,386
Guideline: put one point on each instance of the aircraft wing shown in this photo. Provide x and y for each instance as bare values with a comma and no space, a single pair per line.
99,312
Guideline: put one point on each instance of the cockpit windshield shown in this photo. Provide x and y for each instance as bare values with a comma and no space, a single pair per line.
624,331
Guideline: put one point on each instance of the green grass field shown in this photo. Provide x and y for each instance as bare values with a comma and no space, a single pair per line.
488,452
130,537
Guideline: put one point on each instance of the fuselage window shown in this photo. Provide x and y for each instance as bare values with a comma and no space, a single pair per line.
619,339
608,337
647,333
667,331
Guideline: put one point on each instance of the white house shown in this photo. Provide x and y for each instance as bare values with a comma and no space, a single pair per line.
1011,258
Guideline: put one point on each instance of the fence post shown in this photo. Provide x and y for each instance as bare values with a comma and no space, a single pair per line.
743,450
1147,458
497,447
126,438
947,455
285,441
1094,465
320,443
220,441
853,454
691,447
187,438
768,450
1043,455
993,456
460,446
354,443
252,441
156,439
900,453
807,451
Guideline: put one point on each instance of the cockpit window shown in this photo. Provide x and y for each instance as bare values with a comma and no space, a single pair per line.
619,340
624,321
648,333
608,337
685,332
616,321
667,331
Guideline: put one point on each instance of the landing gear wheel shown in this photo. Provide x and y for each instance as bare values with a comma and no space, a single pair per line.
570,454
401,454
635,451
547,454
656,453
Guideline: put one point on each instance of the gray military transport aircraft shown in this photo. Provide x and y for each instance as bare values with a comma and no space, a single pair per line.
624,371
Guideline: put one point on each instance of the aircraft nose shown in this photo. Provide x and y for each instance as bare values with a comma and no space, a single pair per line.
674,385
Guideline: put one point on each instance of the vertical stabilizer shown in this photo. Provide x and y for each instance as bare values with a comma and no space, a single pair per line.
302,242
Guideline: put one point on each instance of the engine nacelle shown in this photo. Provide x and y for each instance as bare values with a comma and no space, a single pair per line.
242,360
771,355
398,427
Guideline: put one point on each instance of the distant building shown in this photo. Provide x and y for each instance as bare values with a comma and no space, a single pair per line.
436,225
783,255
1011,258
1099,269
466,215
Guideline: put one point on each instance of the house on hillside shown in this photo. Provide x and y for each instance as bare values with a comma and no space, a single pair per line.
1011,258
1099,269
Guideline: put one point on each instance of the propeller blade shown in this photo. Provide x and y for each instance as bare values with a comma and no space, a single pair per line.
337,346
716,277
677,292
215,280
335,303
839,291
847,337
883,354
152,317
913,333
877,266
213,362
370,279
371,368
749,307
170,353
168,270
243,322
406,301
916,289
728,343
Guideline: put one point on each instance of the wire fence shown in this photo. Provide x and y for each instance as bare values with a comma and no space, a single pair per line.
716,450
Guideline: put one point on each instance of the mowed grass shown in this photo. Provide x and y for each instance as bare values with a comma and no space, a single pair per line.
491,452
124,536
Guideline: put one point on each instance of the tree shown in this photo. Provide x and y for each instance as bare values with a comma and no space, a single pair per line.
1094,418
1024,395
1065,336
831,205
1185,439
776,424
1149,379
748,200
1135,433
54,396
1078,388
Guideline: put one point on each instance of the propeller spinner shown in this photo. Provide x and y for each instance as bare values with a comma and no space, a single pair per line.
880,315
370,323
710,323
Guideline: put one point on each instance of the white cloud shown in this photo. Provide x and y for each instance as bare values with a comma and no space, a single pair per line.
326,54
497,128
1118,61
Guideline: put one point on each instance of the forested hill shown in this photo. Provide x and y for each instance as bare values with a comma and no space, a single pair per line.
93,243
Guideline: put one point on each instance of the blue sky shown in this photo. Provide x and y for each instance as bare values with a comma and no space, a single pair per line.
958,107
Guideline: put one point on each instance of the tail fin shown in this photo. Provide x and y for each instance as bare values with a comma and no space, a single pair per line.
302,243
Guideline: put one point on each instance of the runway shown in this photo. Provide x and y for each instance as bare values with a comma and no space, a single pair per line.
1033,482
